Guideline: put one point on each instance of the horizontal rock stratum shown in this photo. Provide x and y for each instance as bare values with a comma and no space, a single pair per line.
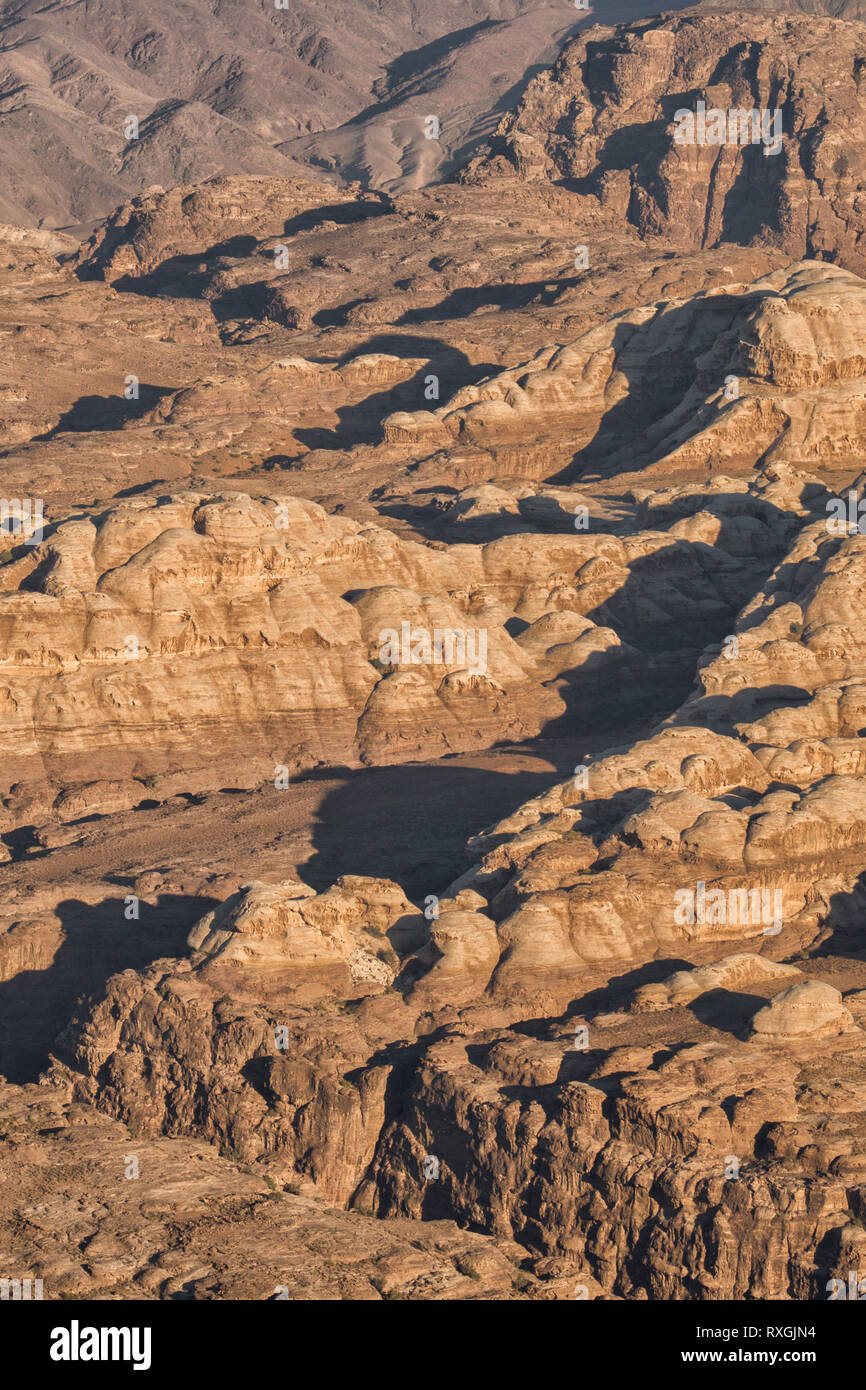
774,370
682,845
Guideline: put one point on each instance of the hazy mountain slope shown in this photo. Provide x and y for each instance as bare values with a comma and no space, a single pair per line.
239,86
214,84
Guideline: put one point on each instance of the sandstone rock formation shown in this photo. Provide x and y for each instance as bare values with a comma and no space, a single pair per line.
288,927
581,879
293,635
185,222
803,1012
604,119
729,973
242,1238
432,702
769,370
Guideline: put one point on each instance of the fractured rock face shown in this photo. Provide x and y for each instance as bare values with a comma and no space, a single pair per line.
774,369
286,1245
433,712
788,179
142,640
186,221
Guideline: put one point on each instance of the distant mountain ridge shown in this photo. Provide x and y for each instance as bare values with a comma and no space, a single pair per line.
216,86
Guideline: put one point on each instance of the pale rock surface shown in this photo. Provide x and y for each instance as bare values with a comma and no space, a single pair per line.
287,925
805,1011
731,972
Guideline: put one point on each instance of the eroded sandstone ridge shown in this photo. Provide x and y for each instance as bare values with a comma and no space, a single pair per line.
150,645
773,370
433,707
690,843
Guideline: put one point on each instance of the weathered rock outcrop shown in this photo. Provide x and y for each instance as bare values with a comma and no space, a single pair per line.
180,223
716,1084
774,370
371,522
605,118
341,933
149,644
805,1011
138,1218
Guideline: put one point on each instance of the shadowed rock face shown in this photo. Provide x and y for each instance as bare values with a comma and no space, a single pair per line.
153,645
433,706
682,847
768,370
242,1238
604,120
102,103
162,227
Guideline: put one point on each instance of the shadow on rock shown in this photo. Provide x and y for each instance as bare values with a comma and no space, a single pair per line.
96,942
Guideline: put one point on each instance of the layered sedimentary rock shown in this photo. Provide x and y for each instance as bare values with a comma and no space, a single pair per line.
774,370
254,326
138,1218
731,972
805,1011
433,715
163,636
180,223
681,848
339,934
785,172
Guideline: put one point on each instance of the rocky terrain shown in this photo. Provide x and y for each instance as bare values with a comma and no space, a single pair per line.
603,121
99,101
433,693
